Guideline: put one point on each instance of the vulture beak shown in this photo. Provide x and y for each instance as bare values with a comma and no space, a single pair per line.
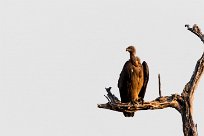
127,49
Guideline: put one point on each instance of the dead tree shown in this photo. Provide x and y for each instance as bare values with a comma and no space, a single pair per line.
183,103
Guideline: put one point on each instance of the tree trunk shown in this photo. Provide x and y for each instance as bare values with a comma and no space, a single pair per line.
189,127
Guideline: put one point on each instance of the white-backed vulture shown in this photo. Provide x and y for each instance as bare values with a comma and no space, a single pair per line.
133,80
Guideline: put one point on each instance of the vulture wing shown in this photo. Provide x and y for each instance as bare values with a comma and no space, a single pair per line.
124,85
146,79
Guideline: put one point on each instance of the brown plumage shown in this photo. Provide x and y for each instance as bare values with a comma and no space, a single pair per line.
133,80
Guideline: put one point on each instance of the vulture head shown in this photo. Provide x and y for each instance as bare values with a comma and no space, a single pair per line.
131,50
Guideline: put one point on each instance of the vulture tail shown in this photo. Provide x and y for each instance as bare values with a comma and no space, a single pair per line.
128,114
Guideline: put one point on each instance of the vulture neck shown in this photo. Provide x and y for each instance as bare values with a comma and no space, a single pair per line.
133,58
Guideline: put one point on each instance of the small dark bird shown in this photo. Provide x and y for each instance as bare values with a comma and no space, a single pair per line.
133,80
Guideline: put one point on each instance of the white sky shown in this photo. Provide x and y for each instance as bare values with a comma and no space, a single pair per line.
57,56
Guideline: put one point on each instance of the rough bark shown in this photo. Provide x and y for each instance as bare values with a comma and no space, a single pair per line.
182,103
159,103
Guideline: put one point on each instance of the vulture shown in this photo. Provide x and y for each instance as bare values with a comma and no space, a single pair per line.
133,80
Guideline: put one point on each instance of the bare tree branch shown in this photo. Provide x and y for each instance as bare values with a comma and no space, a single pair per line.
196,30
159,103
